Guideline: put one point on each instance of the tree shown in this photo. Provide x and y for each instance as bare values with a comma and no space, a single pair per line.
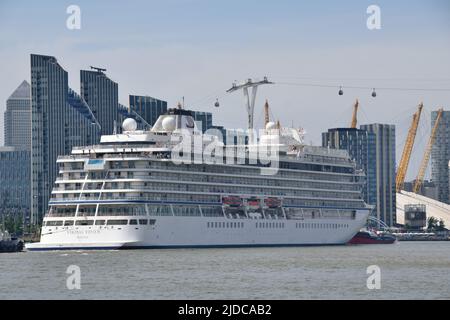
14,224
432,224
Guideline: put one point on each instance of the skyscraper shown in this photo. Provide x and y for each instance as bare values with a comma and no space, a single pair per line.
203,119
148,108
385,171
17,127
102,96
440,156
361,147
60,120
15,182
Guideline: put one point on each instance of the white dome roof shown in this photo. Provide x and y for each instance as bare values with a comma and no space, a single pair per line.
129,124
168,123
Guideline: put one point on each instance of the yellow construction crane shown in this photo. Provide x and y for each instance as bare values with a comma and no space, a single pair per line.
426,156
406,155
355,114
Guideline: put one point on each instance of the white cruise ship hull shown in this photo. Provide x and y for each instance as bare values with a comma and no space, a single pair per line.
195,232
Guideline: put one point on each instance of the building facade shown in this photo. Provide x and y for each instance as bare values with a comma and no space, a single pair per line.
102,96
17,120
15,187
203,120
427,188
385,171
361,146
60,120
148,108
440,156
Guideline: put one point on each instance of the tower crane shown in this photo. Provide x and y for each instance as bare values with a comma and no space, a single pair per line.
426,156
355,114
406,155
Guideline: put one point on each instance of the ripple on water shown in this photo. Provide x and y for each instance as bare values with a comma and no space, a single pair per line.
409,270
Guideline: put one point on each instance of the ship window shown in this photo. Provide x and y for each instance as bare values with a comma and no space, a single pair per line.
152,221
68,223
143,221
54,223
116,222
100,222
133,221
84,222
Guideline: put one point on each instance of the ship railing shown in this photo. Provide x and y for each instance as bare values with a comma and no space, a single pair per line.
118,148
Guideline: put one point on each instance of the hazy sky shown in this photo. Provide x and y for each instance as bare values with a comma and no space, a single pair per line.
196,48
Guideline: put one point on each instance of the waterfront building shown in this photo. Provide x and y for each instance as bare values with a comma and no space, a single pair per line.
203,120
61,120
17,119
148,108
440,156
385,171
361,146
102,96
15,182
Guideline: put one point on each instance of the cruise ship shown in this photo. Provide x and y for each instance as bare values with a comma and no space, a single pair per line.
130,191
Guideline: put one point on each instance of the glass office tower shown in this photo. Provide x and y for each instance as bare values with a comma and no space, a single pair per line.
440,156
17,124
361,146
102,96
385,171
60,120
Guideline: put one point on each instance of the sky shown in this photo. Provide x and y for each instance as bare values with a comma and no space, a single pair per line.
196,48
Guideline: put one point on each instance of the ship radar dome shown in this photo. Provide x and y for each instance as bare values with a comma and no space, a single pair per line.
168,123
271,125
129,124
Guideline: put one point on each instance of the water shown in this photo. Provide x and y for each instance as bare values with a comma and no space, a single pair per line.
409,270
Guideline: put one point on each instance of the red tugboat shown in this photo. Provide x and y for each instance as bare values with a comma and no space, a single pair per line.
370,237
